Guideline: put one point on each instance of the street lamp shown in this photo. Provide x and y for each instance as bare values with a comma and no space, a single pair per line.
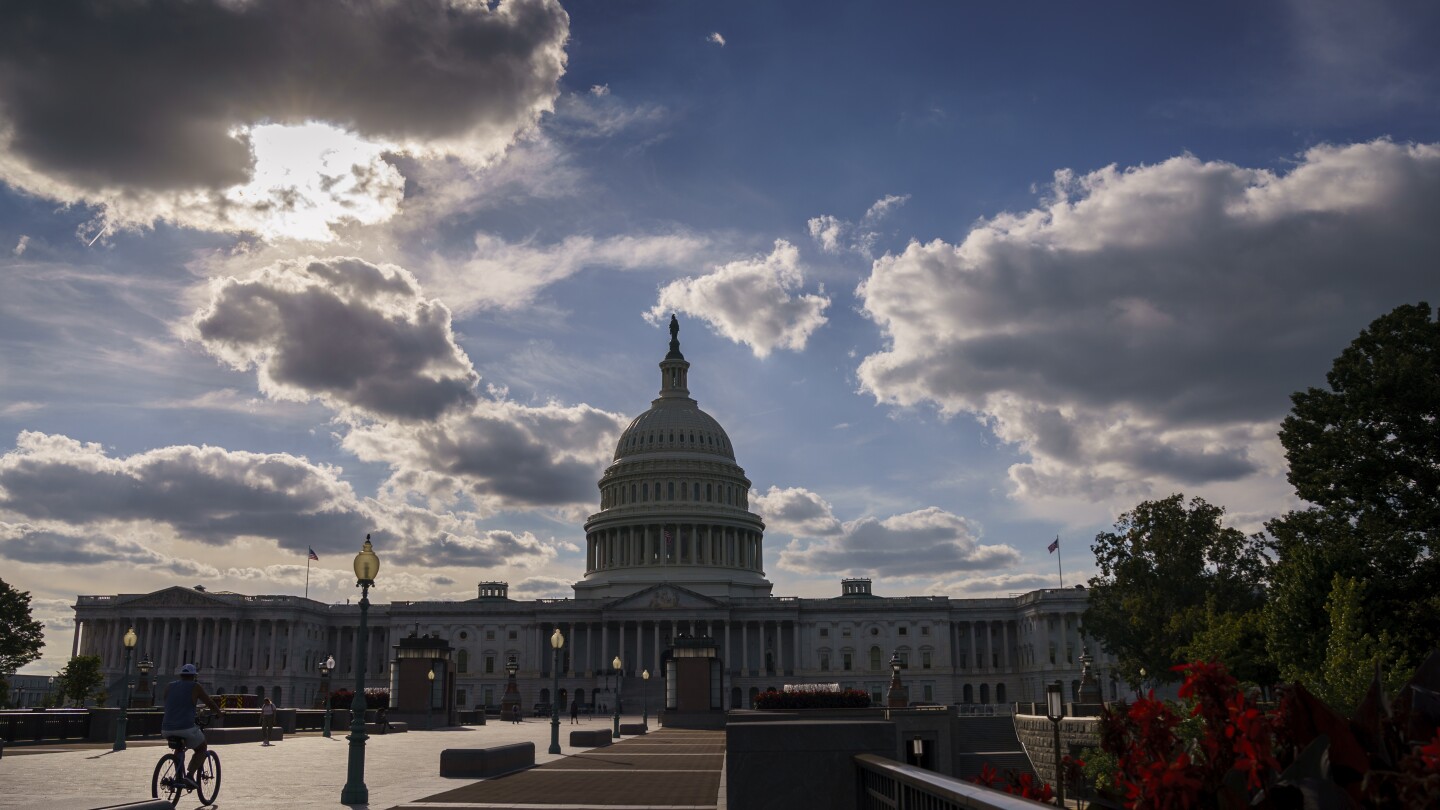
326,667
645,700
1055,710
898,697
557,640
366,566
510,704
619,682
146,690
430,699
119,745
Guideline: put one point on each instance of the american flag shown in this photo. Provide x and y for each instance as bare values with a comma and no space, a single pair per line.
312,555
1055,546
669,540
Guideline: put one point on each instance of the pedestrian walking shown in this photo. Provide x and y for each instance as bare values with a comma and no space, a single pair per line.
382,719
574,712
267,721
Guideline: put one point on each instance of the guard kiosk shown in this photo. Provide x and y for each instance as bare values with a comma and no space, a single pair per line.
694,686
415,697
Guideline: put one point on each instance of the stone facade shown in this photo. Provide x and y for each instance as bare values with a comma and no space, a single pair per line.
1037,734
673,550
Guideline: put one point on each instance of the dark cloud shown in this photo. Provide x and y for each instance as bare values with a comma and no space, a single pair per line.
490,549
37,546
146,94
543,588
205,493
795,511
1149,323
354,334
498,454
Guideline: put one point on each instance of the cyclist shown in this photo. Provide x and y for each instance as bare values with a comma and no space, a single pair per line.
179,720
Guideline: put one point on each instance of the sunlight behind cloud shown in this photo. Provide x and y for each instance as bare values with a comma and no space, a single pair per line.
312,176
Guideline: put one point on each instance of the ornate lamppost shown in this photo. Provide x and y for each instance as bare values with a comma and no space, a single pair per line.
557,640
510,704
326,667
430,699
119,745
619,683
1055,710
367,565
898,697
147,697
645,699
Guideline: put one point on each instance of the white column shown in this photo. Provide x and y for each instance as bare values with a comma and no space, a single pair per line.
974,649
234,624
621,649
729,660
745,647
795,635
605,646
1005,645
255,647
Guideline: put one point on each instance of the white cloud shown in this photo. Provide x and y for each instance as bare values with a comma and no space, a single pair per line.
508,275
716,39
1144,327
835,235
750,301
599,89
906,546
21,245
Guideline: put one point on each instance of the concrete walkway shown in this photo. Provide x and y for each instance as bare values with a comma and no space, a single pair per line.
307,770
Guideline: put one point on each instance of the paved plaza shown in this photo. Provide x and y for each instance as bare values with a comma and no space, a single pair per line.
667,768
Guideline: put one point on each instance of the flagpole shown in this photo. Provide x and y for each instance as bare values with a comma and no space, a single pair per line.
1059,561
307,576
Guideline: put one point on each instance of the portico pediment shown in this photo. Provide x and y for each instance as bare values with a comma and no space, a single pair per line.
665,596
175,597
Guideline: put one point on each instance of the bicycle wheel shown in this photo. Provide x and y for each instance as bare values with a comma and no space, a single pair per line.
209,778
166,782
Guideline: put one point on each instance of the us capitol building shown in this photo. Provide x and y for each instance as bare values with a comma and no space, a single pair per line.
674,551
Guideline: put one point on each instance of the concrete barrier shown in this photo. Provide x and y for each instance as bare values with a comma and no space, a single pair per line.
632,729
590,738
244,734
479,763
148,804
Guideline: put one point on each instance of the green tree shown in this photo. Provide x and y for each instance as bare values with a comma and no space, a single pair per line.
79,678
1236,638
1367,449
21,637
1169,571
1352,656
1366,452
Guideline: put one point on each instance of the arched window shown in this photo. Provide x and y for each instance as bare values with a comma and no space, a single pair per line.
707,492
999,693
645,492
545,696
969,694
632,493
735,697
670,491
984,693
875,657
463,661
754,693
697,490
275,695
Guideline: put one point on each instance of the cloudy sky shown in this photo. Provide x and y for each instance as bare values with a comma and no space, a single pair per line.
957,279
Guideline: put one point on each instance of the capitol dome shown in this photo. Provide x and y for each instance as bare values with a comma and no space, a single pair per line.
674,505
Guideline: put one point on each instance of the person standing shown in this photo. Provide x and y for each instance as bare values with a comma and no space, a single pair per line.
267,721
574,712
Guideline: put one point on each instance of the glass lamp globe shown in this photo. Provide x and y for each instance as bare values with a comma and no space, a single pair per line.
367,564
130,639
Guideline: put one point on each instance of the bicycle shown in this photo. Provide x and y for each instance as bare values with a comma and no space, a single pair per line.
168,781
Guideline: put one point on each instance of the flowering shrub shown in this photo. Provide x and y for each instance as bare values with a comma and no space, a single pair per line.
771,700
374,699
1018,784
1218,749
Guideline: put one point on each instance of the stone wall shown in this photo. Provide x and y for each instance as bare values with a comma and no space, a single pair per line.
1037,734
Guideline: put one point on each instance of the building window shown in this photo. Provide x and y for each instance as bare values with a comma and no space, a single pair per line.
925,630
490,634
845,632
874,631
645,491
459,698
707,493
632,493
875,657
904,631
463,660
847,661
929,693
824,632
697,490
463,636
671,491
489,665
925,661
512,635
824,662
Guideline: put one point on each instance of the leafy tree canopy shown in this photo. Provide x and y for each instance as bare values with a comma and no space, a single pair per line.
79,679
1368,449
21,637
1168,572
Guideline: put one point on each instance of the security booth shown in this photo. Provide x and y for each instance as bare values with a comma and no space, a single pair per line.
694,686
422,681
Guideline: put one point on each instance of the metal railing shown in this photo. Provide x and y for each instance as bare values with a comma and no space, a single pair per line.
44,725
884,784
